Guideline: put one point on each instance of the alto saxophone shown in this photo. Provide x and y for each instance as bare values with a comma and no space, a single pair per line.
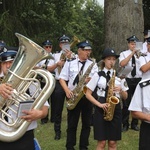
111,99
79,90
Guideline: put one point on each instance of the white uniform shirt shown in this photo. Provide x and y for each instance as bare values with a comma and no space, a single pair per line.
143,61
140,100
101,82
72,68
124,55
50,62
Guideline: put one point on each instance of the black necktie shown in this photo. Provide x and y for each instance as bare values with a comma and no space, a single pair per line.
133,72
108,76
76,80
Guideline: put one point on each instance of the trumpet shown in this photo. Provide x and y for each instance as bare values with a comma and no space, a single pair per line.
138,53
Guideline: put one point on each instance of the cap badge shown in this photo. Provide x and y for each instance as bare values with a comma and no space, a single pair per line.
4,50
112,51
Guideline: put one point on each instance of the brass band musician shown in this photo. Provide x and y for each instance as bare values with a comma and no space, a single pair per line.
98,91
128,58
59,94
26,142
72,72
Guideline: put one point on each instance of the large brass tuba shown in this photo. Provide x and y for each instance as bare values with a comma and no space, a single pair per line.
111,99
22,75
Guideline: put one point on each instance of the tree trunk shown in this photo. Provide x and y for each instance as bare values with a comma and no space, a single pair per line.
123,18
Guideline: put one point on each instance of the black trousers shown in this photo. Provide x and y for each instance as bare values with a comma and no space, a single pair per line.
51,101
132,83
83,108
26,142
144,138
59,97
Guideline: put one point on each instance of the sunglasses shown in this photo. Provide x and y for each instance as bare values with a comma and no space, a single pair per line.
48,46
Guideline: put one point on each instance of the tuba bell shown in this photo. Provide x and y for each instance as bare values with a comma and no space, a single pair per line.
21,75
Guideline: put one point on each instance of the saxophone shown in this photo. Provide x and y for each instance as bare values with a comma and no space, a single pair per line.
111,99
79,90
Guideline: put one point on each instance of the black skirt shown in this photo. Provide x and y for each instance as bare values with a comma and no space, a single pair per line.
107,130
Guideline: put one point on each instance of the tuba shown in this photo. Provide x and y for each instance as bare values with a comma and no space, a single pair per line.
21,75
111,99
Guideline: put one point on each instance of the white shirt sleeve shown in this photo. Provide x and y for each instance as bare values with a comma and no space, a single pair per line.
136,101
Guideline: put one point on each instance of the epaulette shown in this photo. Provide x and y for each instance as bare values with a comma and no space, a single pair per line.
92,59
70,59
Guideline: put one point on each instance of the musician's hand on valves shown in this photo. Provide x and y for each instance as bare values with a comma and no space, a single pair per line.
134,51
69,94
87,79
32,115
68,53
60,63
117,89
104,106
6,90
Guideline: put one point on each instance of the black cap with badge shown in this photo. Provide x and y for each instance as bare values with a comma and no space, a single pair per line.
8,53
84,45
47,43
64,39
133,38
109,52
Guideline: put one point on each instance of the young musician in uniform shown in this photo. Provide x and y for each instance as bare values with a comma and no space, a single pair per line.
72,72
26,142
106,129
129,58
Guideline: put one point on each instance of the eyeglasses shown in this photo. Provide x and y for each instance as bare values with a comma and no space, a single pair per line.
48,46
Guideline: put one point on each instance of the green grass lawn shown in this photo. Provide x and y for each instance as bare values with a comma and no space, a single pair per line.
45,135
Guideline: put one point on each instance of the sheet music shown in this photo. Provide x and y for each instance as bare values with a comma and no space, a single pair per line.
26,105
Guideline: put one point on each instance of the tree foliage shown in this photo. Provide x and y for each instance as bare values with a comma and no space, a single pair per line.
42,19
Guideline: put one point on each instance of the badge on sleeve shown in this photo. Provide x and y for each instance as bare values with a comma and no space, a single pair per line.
125,84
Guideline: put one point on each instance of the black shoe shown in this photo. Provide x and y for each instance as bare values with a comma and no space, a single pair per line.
57,136
136,128
125,128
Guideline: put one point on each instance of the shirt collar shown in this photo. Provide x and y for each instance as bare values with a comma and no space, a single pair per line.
105,70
